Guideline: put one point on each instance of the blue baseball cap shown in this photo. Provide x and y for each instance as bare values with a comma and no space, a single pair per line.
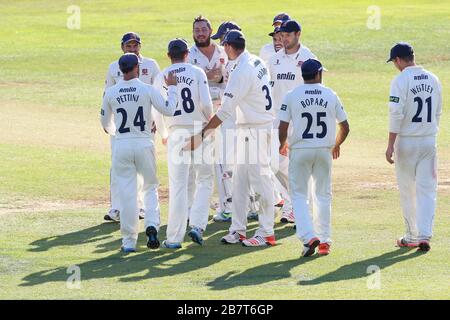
311,67
234,36
276,30
224,28
131,36
401,49
280,18
290,26
128,61
181,44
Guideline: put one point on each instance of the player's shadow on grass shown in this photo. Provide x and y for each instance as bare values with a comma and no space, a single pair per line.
156,263
93,234
360,269
281,270
273,271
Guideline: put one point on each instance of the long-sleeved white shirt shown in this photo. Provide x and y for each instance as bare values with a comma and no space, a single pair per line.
415,103
129,104
194,101
248,93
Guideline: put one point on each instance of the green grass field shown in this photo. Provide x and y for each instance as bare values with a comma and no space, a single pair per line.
54,163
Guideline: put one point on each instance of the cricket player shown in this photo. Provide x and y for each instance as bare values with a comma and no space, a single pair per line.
415,107
131,42
277,44
129,103
195,110
270,49
212,59
313,110
286,74
248,94
226,154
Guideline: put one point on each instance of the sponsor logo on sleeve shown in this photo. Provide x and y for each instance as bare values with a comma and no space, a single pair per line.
102,112
394,99
229,95
144,72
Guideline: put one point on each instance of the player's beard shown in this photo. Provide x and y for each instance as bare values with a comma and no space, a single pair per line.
204,44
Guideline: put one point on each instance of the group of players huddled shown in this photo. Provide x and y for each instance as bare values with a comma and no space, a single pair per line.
258,103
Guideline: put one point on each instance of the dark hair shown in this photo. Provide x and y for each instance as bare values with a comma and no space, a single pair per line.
239,46
200,18
308,77
176,53
409,58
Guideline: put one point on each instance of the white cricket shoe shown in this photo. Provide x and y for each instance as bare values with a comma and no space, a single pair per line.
232,238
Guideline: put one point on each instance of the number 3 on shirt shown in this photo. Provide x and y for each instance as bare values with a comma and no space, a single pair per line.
268,97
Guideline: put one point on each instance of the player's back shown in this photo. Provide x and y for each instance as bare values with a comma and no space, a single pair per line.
256,106
130,102
416,97
194,101
314,110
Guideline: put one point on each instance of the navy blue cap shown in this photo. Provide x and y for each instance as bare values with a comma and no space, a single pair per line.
276,30
128,61
234,36
224,28
290,26
312,66
401,49
280,18
178,43
131,36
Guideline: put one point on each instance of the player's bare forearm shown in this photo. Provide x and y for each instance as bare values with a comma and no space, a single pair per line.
344,129
390,147
282,133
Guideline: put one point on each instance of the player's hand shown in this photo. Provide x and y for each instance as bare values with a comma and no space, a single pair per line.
215,74
164,141
284,149
171,79
336,151
389,154
193,142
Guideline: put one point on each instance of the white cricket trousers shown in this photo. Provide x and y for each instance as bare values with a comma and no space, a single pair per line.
416,170
252,168
303,165
180,164
114,190
280,167
225,142
133,158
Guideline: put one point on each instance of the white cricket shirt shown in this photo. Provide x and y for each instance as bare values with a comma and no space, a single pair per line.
286,73
415,103
313,111
129,104
248,93
194,100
